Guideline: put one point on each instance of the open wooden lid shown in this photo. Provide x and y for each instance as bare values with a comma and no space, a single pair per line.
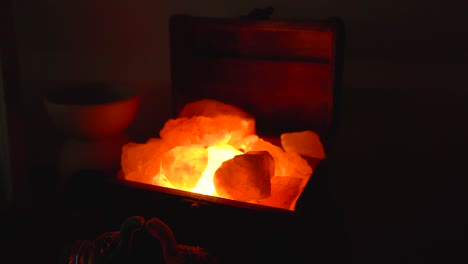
287,74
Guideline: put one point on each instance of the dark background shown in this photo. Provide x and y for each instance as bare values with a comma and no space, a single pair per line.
398,171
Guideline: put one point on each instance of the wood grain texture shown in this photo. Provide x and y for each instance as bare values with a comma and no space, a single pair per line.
285,73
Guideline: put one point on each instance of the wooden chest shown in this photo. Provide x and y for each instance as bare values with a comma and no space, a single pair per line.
287,74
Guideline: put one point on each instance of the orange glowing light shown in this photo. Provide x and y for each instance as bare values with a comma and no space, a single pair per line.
211,148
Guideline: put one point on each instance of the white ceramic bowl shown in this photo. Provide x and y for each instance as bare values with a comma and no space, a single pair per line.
92,111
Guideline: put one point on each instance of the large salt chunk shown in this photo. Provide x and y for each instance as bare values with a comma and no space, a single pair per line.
305,142
231,118
194,130
245,177
237,127
284,192
210,108
183,165
287,163
298,171
141,161
248,142
254,143
217,155
292,164
161,180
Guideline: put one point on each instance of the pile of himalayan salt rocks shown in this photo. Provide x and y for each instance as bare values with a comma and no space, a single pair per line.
209,135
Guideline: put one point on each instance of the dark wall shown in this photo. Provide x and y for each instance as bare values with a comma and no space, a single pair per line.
398,169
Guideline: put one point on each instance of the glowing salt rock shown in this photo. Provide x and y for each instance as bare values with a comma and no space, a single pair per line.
237,127
183,165
245,177
284,192
254,143
287,163
194,130
210,108
292,164
141,161
305,142
161,180
234,119
248,142
217,155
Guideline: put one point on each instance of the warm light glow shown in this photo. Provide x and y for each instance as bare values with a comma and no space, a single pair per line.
217,153
216,156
